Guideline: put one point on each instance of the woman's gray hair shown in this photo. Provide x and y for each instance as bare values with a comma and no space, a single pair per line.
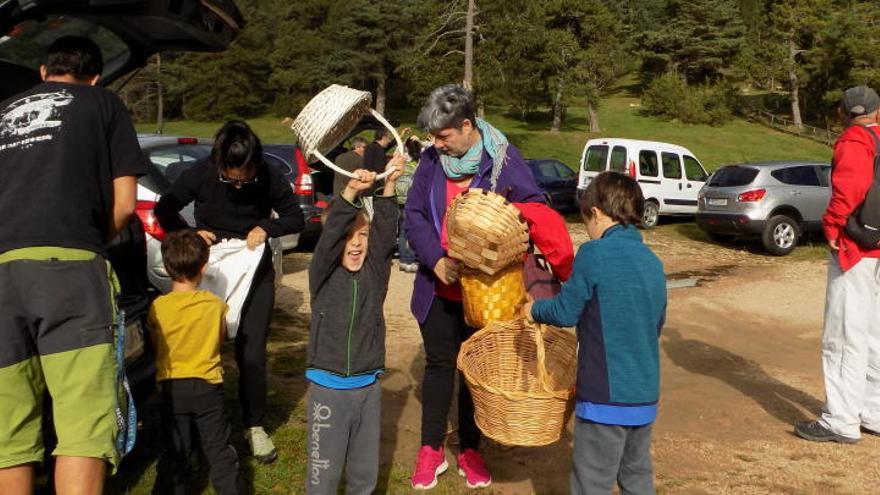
446,107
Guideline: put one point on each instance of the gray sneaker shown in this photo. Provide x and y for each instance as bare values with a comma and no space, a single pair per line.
261,445
815,432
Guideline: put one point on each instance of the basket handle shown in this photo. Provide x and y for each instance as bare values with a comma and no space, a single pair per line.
340,170
541,356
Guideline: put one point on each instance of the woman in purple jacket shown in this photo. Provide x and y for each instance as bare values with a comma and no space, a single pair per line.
467,153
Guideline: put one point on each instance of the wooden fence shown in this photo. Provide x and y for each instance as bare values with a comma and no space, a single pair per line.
782,124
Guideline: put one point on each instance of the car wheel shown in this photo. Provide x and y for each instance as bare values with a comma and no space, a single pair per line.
781,235
651,215
548,200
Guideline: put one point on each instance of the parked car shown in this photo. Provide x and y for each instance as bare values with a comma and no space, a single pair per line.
670,175
778,201
289,158
558,182
169,156
128,33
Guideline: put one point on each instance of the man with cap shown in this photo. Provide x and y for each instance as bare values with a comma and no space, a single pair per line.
851,336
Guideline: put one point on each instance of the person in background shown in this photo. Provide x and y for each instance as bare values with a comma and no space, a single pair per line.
374,154
407,258
851,335
235,194
350,161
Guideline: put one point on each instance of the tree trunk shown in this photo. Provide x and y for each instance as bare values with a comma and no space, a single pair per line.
481,108
557,109
160,95
380,94
468,81
794,90
593,112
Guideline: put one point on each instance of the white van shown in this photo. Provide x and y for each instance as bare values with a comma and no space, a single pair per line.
670,175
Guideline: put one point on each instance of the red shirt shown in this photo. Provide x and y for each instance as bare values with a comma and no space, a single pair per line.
851,177
450,292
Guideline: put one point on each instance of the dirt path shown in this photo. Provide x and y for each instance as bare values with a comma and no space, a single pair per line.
740,364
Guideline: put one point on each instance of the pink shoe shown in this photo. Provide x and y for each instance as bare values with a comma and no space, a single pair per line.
473,468
430,464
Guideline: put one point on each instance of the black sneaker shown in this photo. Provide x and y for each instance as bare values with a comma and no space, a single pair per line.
870,432
815,432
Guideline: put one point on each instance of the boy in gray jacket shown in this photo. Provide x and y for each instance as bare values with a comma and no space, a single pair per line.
348,280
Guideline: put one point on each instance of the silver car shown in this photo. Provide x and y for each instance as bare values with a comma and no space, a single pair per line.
778,201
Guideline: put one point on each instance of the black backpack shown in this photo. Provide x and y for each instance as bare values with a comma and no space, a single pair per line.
863,226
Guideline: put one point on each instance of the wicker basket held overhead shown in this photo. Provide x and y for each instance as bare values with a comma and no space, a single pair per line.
492,297
521,377
329,118
485,231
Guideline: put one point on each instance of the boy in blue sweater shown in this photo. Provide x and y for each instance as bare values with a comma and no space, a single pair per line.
616,297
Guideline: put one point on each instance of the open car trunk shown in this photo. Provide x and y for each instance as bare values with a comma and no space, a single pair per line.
127,31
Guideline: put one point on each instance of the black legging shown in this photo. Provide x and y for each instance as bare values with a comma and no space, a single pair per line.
443,332
250,343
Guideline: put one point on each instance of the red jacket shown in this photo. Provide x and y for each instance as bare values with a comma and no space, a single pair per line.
550,235
851,177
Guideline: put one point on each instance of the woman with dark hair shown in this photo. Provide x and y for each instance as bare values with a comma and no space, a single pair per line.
235,193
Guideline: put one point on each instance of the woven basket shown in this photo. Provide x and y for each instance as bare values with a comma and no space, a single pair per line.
485,231
329,118
492,297
521,377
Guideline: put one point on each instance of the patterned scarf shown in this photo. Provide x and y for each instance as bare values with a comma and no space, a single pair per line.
493,141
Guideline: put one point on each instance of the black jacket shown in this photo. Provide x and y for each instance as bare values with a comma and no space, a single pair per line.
228,212
347,334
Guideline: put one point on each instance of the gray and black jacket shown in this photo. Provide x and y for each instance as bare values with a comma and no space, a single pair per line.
347,334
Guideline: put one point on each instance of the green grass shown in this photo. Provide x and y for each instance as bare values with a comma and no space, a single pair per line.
621,116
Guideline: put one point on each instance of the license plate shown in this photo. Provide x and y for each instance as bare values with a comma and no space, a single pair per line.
716,201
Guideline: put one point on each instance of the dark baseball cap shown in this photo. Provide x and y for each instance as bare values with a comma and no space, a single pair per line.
859,100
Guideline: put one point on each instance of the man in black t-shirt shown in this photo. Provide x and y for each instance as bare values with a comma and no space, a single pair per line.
69,162
374,155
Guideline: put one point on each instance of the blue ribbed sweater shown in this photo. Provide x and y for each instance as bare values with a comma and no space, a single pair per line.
616,297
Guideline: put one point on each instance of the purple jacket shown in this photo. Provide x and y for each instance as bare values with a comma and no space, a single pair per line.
426,210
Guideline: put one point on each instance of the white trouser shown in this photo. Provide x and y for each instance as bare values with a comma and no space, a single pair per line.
851,348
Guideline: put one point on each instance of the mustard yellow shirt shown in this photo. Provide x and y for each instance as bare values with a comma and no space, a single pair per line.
187,330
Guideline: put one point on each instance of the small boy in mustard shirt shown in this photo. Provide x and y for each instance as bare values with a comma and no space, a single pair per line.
187,327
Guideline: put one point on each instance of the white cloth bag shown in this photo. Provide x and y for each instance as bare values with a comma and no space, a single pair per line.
229,275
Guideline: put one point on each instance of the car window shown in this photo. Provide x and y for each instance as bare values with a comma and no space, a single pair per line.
797,176
825,175
563,171
692,169
172,160
548,170
733,176
26,43
618,159
596,158
671,166
648,163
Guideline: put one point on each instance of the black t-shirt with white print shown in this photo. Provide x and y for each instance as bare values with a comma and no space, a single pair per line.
61,146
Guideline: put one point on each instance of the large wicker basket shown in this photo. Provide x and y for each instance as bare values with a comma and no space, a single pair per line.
485,231
329,118
521,377
492,297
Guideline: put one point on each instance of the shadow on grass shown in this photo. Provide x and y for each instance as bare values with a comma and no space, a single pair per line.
778,399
